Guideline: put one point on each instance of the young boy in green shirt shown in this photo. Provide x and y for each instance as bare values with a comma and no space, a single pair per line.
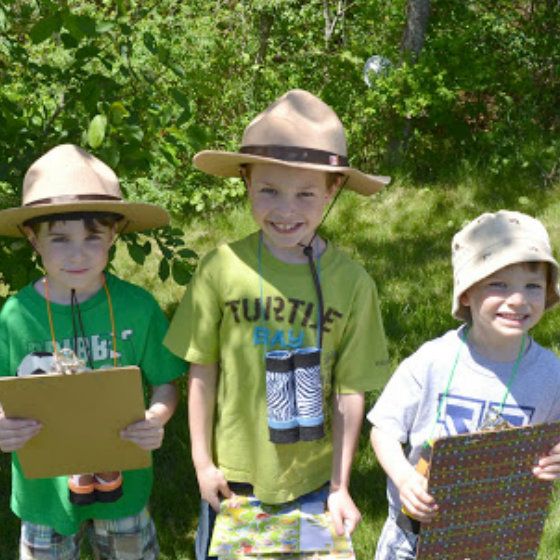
283,331
71,212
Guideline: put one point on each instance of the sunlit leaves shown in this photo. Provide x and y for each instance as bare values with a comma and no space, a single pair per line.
96,131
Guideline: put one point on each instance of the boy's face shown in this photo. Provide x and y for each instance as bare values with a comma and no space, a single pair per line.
505,305
73,257
288,204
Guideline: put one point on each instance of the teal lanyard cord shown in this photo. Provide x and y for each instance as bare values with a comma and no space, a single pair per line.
512,377
261,290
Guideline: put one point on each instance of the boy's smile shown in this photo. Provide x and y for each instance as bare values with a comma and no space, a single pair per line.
73,257
288,204
504,306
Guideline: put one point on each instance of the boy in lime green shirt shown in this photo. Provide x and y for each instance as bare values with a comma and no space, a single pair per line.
283,331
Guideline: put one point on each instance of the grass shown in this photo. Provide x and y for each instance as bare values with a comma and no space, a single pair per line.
402,237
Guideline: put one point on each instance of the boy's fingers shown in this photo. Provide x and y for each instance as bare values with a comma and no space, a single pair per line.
214,503
337,521
225,490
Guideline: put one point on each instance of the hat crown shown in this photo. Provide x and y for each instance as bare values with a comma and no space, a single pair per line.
297,119
68,170
484,235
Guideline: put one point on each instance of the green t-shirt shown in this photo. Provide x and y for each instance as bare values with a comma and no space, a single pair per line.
140,327
230,317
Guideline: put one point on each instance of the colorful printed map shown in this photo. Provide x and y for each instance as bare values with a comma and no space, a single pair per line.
247,528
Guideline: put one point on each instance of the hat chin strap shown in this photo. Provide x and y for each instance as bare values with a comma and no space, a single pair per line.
308,252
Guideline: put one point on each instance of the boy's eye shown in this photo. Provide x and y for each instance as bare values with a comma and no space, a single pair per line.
497,285
307,194
267,190
58,239
534,286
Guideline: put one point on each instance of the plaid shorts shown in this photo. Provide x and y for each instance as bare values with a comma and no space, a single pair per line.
129,538
395,543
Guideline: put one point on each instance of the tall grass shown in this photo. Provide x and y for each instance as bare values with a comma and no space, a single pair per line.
402,237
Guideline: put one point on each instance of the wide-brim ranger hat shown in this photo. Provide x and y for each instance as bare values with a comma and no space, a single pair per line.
296,130
68,180
496,240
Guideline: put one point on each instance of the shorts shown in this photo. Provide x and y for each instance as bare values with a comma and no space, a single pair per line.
128,538
395,543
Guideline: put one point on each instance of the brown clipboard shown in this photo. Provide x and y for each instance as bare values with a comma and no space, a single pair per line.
490,503
82,415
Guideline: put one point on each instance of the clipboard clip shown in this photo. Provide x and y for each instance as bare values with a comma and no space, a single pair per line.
67,362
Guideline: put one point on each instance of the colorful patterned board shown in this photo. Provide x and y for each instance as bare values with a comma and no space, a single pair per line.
246,528
491,505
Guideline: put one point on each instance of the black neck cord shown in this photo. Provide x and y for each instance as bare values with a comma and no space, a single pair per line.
75,306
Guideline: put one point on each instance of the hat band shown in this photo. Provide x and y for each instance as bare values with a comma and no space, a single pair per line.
65,199
295,153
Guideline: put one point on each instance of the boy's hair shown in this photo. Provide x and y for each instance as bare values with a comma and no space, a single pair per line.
91,220
496,240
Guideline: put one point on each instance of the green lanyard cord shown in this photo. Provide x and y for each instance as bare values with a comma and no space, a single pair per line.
512,377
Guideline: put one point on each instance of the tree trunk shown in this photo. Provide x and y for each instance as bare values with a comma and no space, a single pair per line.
417,16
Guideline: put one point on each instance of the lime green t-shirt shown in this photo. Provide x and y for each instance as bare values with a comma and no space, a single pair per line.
231,317
140,327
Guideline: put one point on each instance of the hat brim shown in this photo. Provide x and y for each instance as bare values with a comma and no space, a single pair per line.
226,164
137,216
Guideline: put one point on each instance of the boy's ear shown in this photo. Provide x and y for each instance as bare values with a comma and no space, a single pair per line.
334,185
464,299
31,237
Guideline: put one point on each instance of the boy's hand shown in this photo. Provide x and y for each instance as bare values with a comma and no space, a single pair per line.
213,484
16,432
548,467
147,433
344,513
412,492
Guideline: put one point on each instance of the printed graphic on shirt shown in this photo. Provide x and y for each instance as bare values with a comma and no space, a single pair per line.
98,346
464,414
297,314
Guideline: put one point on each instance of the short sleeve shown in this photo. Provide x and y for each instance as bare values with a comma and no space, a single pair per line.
194,331
362,358
5,369
396,408
158,364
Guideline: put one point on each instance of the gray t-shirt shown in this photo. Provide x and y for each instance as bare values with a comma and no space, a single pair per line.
407,408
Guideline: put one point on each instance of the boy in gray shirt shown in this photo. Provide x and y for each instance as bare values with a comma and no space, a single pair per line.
505,277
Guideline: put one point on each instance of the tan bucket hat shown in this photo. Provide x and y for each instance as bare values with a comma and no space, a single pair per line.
69,179
297,130
496,240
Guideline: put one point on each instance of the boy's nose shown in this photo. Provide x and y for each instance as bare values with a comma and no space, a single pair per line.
517,298
285,206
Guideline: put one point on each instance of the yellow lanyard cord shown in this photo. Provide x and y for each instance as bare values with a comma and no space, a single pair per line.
49,314
111,317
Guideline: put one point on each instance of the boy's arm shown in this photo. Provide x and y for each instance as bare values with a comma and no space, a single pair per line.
410,483
148,433
16,432
348,413
201,405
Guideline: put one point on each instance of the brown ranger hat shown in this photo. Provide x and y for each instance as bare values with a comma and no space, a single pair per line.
67,179
297,130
